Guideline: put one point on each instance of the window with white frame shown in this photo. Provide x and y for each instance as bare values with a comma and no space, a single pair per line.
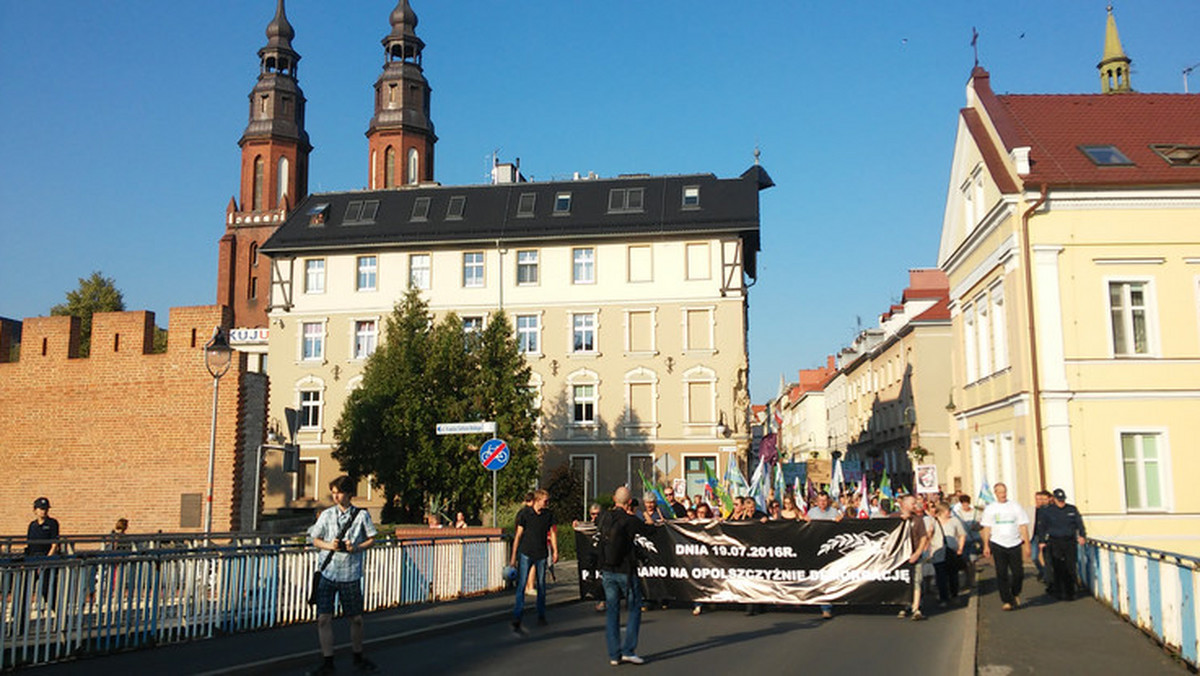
527,267
1142,462
1128,308
368,267
984,330
314,275
999,328
472,324
529,331
583,270
583,404
418,271
969,343
310,409
583,332
366,338
473,269
313,340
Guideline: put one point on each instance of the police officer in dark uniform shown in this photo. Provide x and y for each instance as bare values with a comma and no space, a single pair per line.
1063,528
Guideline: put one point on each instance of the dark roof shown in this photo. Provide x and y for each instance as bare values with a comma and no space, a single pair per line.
489,213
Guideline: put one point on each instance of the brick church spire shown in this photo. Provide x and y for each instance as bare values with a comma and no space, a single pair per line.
400,137
275,146
274,176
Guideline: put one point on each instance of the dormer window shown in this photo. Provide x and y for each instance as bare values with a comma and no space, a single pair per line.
525,204
1106,156
317,214
691,197
623,200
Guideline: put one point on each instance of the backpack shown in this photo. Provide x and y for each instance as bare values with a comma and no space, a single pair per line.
612,550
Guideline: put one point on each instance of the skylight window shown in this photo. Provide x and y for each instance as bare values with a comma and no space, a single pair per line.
1177,155
562,203
360,211
1106,156
420,210
454,210
525,205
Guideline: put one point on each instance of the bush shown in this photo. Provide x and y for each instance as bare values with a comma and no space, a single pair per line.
566,542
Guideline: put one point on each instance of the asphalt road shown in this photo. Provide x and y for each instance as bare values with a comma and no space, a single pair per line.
674,642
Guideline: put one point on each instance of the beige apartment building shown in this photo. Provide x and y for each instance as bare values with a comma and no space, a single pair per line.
897,383
1071,246
627,296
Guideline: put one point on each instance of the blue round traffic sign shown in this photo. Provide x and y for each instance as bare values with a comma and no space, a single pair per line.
494,454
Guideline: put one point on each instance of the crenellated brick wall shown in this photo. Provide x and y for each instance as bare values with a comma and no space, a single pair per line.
123,432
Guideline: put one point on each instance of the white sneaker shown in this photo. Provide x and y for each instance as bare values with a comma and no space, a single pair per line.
615,663
632,659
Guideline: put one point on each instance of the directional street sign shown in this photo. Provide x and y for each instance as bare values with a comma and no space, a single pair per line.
480,427
494,454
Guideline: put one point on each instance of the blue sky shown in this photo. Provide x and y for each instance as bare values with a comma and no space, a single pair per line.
119,124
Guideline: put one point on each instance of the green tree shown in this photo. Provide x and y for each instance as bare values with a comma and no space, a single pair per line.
502,393
95,294
423,374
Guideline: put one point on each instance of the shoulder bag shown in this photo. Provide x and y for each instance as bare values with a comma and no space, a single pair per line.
316,576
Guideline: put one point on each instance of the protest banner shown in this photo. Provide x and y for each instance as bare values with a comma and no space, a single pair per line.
785,562
820,471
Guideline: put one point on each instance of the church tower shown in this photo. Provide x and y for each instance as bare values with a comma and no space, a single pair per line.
1114,65
400,137
275,151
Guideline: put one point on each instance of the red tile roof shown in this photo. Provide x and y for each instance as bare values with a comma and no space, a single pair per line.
939,311
1053,126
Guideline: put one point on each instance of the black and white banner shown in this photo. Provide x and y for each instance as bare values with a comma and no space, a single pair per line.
853,561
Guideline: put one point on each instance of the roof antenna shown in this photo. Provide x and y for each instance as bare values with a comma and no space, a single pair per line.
975,44
1186,72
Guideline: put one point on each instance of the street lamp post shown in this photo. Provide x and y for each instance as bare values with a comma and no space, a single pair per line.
217,358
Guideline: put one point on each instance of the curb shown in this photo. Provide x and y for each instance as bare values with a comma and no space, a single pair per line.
312,655
969,656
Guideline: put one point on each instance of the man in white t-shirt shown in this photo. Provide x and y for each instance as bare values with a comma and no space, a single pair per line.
1006,541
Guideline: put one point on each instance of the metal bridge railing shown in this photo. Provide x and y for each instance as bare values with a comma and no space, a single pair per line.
94,603
1155,590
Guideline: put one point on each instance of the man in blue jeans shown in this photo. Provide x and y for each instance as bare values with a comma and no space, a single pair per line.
618,528
532,545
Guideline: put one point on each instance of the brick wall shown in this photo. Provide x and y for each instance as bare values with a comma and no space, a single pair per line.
122,433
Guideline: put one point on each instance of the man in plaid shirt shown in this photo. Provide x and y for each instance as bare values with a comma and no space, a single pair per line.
342,576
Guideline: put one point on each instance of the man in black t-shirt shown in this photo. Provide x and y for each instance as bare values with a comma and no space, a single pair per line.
41,540
532,545
619,529
678,509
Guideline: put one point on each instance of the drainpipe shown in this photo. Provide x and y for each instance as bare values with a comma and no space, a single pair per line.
1035,384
